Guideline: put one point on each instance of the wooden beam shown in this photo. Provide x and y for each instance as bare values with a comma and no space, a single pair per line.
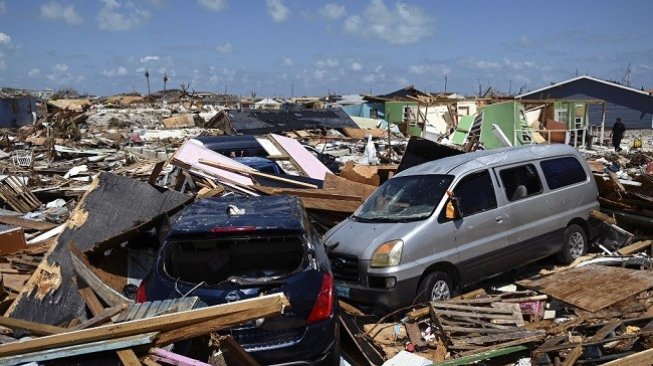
27,224
106,293
91,300
34,328
605,331
80,349
167,322
503,345
635,247
572,356
237,351
158,167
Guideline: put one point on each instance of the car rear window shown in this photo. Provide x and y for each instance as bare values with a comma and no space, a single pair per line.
562,172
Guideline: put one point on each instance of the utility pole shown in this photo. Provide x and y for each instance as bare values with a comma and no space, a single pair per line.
147,77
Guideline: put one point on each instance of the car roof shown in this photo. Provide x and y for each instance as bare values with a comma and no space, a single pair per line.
264,213
462,163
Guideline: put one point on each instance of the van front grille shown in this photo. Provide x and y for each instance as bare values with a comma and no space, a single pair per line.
345,268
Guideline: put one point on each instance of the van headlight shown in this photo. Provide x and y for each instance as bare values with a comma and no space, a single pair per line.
387,254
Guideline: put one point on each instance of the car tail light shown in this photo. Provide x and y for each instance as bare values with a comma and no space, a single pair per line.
323,307
141,296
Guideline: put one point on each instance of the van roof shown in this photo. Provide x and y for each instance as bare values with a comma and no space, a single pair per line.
475,160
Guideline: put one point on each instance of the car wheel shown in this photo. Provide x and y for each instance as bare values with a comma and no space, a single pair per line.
574,245
435,286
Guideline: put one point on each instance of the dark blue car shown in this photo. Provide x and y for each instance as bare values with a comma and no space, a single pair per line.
232,248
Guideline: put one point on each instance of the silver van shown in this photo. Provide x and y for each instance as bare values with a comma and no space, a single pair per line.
448,223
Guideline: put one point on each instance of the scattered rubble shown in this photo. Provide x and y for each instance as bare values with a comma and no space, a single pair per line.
88,190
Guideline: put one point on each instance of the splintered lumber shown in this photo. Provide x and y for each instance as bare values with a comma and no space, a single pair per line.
34,328
27,223
254,172
228,345
106,293
592,287
171,358
16,194
102,317
636,247
603,217
572,356
318,199
503,345
80,349
335,183
114,209
162,323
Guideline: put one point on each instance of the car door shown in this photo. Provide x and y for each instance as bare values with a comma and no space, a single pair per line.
529,208
481,231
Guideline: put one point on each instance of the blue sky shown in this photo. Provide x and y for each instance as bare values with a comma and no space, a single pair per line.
312,47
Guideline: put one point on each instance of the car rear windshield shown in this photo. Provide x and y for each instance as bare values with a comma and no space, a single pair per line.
406,198
213,261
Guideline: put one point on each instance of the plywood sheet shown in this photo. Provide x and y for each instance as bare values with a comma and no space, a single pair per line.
593,288
309,163
189,155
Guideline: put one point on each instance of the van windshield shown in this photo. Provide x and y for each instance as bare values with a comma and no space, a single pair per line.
407,198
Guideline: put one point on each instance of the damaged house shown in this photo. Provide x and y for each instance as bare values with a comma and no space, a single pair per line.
632,105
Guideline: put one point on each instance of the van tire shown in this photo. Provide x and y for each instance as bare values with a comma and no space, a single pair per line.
435,286
574,245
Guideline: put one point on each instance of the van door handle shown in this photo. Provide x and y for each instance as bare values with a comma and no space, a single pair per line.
499,218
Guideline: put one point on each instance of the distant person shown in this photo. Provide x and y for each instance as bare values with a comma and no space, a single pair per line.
617,134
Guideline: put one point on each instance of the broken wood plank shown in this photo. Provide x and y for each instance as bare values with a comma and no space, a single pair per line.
493,316
643,358
103,317
158,167
169,322
636,247
237,351
89,297
80,349
605,330
172,358
479,309
414,334
502,345
603,217
12,239
34,328
255,173
27,223
480,340
572,356
592,287
616,182
106,293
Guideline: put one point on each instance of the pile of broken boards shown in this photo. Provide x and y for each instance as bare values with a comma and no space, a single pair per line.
584,314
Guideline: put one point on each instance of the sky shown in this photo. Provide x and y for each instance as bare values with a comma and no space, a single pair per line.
312,48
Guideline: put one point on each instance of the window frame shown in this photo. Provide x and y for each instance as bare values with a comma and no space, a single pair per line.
502,179
546,177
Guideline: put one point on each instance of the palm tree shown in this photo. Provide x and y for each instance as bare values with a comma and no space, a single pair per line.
165,81
147,76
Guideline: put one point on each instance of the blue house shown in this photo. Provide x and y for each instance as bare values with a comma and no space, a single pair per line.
634,106
17,111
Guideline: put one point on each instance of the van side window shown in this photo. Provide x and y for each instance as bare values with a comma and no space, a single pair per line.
520,182
475,193
562,172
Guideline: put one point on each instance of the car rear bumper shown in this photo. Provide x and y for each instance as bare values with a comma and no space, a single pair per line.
319,342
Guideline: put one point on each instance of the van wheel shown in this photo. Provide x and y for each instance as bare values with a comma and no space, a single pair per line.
575,244
435,286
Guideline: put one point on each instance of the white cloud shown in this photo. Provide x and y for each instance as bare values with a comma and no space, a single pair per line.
34,73
439,69
333,11
479,64
115,16
214,5
119,71
57,11
277,10
319,74
369,78
147,59
3,7
59,73
224,48
356,66
286,61
402,81
519,65
401,25
327,63
4,39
